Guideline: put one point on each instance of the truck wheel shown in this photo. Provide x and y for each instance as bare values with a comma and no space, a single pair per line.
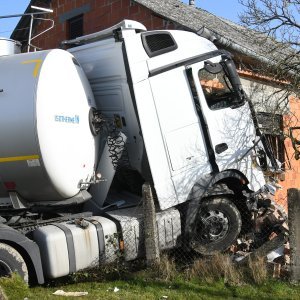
12,261
217,226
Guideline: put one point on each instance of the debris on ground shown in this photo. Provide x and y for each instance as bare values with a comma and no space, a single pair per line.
267,239
69,294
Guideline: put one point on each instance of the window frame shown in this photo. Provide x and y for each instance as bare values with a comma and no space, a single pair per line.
71,22
271,125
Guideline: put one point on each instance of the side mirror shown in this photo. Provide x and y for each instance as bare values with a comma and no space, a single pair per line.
213,68
235,81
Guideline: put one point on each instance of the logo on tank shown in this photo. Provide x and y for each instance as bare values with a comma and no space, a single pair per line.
67,119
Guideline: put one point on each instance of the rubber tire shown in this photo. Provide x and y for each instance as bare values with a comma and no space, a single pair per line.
12,261
228,208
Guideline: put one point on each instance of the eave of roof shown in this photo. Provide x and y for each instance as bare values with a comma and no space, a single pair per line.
229,35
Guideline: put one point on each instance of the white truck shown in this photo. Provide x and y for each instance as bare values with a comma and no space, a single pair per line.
82,130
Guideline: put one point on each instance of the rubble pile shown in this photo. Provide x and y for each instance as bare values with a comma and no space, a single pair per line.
269,238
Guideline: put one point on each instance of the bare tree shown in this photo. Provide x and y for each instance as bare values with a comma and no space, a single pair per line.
277,26
277,30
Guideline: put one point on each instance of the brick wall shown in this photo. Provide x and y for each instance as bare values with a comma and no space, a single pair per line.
291,176
101,14
292,173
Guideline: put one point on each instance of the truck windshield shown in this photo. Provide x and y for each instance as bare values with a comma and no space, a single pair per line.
217,89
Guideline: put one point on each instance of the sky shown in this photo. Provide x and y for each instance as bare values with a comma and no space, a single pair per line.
10,7
228,9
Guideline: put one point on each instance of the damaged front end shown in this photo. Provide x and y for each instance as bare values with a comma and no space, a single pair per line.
268,236
268,217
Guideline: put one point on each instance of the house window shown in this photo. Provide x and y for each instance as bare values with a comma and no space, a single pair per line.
271,125
75,27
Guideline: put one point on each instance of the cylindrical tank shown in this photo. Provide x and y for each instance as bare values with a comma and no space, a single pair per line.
46,144
9,47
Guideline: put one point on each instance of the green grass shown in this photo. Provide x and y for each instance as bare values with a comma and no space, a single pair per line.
143,287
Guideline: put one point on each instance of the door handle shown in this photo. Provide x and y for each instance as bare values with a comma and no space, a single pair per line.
189,158
221,148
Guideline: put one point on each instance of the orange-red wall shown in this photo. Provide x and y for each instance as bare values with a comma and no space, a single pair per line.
292,174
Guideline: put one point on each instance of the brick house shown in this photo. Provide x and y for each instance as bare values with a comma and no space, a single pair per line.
73,18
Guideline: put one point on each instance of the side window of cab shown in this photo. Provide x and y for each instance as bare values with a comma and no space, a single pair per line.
216,86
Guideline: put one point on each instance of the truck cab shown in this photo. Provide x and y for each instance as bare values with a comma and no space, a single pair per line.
190,128
178,100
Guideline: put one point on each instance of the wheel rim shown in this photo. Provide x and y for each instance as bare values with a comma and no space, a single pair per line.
5,269
213,226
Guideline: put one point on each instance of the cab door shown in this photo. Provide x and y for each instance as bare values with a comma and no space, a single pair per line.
228,124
